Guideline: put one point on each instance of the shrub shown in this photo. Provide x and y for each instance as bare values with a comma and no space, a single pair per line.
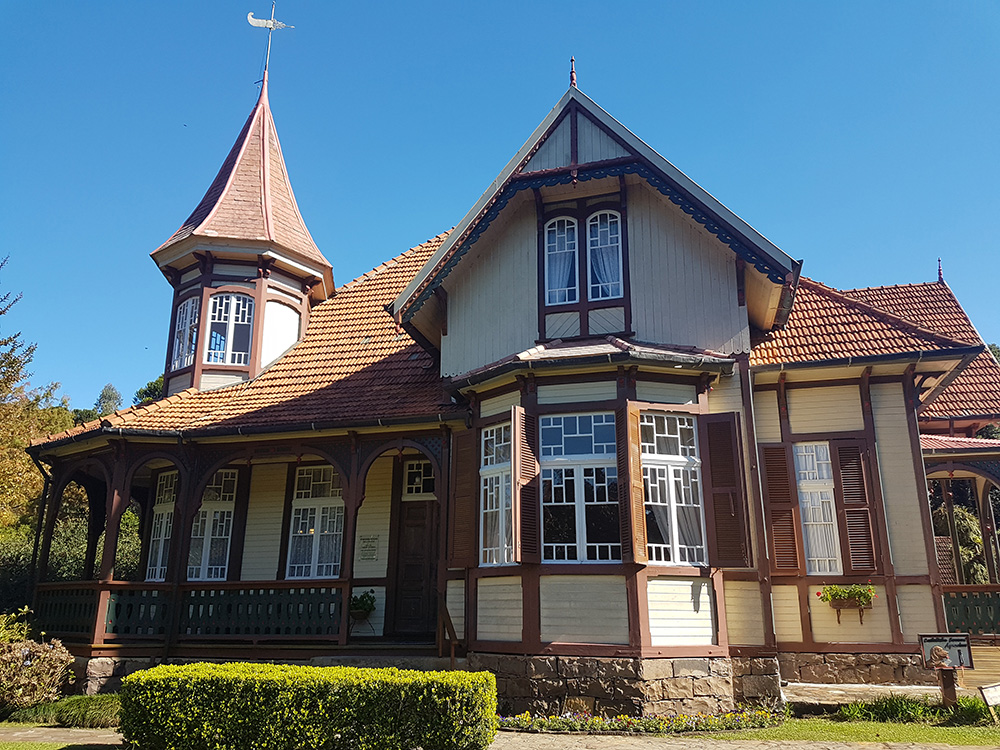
32,673
87,711
902,708
745,718
281,707
14,627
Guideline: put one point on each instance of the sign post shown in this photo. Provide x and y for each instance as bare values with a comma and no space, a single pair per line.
947,652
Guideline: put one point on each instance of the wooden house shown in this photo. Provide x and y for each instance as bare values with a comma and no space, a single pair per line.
601,438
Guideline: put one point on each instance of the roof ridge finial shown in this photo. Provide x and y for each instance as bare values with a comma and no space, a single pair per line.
940,271
572,72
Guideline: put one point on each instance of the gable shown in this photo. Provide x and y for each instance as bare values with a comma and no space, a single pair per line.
575,135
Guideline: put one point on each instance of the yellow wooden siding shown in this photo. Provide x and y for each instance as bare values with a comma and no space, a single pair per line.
497,281
375,624
916,611
562,325
902,491
606,320
210,380
826,629
680,612
498,609
499,404
593,144
766,420
665,393
373,519
554,152
583,609
744,613
986,660
787,623
262,544
455,598
683,279
567,393
726,395
834,409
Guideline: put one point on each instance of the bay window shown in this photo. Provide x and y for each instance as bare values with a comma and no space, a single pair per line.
211,531
185,333
815,484
316,535
496,521
161,526
230,328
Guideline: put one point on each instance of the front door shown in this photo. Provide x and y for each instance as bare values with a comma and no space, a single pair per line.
415,612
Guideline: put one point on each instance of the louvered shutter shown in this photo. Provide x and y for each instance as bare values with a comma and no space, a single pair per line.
631,495
464,516
524,486
724,491
782,506
854,506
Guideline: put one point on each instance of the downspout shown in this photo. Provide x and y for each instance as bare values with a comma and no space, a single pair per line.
42,502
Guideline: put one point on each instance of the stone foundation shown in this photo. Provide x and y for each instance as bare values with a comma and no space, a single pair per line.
872,669
756,680
104,674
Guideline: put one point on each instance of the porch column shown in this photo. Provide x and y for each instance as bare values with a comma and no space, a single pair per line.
47,518
955,546
987,525
97,493
116,504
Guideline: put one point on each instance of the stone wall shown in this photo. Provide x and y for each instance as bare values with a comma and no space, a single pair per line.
756,680
104,674
872,669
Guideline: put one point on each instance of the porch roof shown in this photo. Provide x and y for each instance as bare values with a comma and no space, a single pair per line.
946,444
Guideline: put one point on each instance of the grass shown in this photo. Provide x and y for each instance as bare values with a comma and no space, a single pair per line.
867,731
83,711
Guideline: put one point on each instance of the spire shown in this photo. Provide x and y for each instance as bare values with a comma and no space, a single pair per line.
940,271
572,72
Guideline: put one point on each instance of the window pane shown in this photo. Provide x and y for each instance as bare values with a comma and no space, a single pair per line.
604,246
560,262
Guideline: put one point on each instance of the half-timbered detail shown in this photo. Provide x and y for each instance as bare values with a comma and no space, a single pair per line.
603,419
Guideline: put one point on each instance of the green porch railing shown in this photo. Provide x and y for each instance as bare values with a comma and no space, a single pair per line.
67,611
972,609
138,612
261,611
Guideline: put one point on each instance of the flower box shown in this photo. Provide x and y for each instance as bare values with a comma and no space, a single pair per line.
842,604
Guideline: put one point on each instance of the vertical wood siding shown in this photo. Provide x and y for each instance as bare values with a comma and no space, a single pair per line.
455,599
498,605
902,491
178,384
376,619
570,392
726,395
683,279
826,629
665,393
562,325
210,380
744,617
263,531
593,144
785,603
555,152
836,409
916,611
606,320
680,612
498,283
766,419
499,404
373,519
583,609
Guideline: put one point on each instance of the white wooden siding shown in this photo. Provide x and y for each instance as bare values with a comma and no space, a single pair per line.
916,611
178,383
554,152
593,144
499,607
726,395
606,320
499,404
210,380
562,325
583,609
744,615
785,604
499,284
571,392
665,393
834,409
680,612
191,275
455,599
263,531
234,269
902,491
766,420
373,519
683,279
281,330
826,629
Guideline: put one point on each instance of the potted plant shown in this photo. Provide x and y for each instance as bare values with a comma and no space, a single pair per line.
362,605
857,596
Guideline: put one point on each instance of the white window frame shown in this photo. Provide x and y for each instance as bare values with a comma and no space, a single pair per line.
496,543
554,463
317,491
185,333
617,290
570,295
663,473
213,525
414,482
161,526
231,309
811,486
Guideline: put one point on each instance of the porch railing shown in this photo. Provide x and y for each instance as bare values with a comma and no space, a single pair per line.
972,609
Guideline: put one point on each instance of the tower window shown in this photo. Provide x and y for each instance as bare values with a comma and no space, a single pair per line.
230,329
185,333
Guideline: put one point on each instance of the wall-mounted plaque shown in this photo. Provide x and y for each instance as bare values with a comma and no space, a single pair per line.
946,650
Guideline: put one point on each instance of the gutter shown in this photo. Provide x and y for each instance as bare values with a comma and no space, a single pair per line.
964,352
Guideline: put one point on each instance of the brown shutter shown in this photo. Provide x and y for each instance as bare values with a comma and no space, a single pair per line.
854,506
464,516
724,491
782,505
631,494
524,486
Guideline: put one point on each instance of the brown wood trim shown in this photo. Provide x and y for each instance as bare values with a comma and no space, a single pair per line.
577,407
786,430
626,273
817,437
719,602
848,648
668,377
540,251
697,408
286,523
395,501
237,541
637,599
574,147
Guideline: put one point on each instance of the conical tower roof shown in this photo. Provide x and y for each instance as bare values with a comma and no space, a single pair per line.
251,197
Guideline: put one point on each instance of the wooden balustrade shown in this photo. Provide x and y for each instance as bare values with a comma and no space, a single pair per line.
972,609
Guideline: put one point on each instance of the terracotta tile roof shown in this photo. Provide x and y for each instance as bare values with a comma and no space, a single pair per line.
826,324
976,390
251,197
351,367
946,443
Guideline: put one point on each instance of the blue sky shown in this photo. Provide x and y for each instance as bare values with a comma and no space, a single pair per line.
858,136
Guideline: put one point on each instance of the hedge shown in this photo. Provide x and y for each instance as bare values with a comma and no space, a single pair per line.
281,707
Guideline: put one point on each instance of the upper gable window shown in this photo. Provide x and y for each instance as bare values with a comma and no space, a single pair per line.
230,329
604,249
185,333
560,262
599,268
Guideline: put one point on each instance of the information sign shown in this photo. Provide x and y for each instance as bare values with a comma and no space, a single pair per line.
946,650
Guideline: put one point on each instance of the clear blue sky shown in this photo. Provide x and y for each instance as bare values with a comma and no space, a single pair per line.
861,137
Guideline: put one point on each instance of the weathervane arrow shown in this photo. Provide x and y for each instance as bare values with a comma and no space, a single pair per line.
271,25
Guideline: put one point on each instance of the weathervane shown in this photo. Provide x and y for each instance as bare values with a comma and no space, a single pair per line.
271,25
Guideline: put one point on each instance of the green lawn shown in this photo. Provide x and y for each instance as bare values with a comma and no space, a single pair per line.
867,731
53,746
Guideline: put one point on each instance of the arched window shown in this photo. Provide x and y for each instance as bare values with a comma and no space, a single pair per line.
604,251
212,529
230,329
162,525
560,262
316,534
185,333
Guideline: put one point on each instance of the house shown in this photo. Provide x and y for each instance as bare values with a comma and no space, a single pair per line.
603,438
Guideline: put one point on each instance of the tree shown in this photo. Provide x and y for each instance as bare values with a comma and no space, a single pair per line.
15,354
110,400
152,391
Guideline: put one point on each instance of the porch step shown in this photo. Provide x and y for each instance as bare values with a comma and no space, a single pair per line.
831,695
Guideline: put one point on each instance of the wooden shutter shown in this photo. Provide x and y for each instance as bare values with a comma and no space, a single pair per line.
782,510
464,516
524,486
631,494
854,506
724,491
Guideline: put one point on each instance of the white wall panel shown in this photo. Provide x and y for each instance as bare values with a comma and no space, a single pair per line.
263,530
680,611
583,609
499,607
834,409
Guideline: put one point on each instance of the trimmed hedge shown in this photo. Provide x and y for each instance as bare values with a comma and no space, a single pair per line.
281,707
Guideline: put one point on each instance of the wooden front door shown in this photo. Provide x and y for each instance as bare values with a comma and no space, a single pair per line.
415,600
